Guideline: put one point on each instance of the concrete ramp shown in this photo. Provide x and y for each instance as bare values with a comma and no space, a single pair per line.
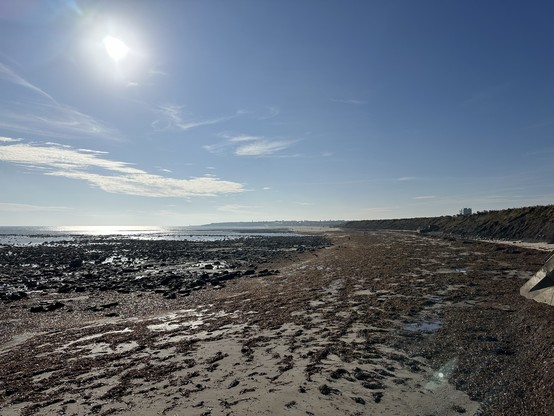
541,286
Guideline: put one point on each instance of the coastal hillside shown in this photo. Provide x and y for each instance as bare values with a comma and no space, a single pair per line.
527,224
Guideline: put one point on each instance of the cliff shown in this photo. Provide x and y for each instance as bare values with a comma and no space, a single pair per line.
527,224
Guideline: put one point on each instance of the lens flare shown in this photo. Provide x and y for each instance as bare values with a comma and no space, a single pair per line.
116,48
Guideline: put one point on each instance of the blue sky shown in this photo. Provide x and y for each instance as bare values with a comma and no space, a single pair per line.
189,112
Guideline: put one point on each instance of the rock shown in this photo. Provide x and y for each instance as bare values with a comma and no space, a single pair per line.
74,264
37,308
54,305
109,305
372,385
14,296
360,374
64,289
326,390
47,307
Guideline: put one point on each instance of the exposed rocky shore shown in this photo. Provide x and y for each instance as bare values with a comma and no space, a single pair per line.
378,323
171,268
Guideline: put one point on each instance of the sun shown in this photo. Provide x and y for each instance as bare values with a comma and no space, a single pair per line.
116,48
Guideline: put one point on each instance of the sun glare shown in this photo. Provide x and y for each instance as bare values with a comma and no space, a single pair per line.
116,48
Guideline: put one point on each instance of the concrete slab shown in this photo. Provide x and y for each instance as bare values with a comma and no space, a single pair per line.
541,286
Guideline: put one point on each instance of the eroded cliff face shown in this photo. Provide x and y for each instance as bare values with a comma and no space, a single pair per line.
528,224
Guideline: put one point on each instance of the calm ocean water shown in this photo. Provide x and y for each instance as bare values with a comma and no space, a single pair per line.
38,235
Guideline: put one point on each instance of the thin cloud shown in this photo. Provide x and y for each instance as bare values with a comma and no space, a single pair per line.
261,148
110,175
272,112
424,197
244,145
11,76
11,207
348,101
38,113
8,140
172,118
406,178
243,138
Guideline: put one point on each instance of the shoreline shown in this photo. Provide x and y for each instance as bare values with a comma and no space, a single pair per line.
388,323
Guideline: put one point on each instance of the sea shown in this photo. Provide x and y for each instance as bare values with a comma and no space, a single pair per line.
34,235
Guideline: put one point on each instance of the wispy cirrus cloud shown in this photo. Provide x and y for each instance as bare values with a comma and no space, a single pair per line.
34,111
109,175
172,117
13,207
406,178
424,197
348,101
272,112
8,74
245,145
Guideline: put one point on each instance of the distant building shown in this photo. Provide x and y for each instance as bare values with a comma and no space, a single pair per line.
465,212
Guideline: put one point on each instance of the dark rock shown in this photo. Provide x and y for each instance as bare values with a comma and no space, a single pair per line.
74,264
47,307
339,373
358,400
326,390
37,308
377,397
109,305
54,305
363,375
15,296
372,385
64,289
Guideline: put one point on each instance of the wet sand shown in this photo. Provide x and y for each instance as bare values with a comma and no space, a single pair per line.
379,323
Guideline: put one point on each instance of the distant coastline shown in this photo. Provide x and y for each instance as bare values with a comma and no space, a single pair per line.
530,224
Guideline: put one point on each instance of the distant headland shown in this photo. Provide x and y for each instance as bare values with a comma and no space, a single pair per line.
533,224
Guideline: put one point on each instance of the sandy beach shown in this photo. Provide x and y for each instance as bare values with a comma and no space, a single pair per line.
384,323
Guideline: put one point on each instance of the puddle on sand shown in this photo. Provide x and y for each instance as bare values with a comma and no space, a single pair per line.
425,326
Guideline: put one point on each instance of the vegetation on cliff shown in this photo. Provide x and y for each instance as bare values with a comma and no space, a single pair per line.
528,224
